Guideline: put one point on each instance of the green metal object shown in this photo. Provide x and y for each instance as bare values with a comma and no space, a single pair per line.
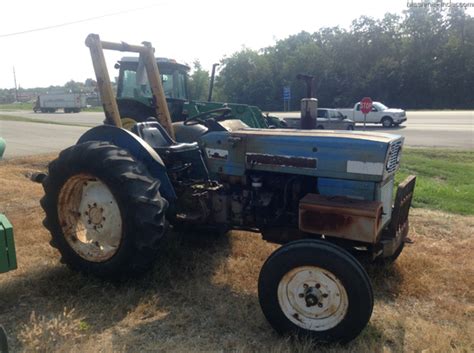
250,115
7,246
133,87
2,147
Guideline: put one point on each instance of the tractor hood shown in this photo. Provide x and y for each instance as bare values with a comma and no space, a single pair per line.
335,154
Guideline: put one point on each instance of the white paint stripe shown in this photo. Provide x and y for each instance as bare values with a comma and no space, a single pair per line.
217,153
360,167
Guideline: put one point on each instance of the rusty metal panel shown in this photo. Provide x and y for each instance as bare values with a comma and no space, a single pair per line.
341,217
402,204
397,230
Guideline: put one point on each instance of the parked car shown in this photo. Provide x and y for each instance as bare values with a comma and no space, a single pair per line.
328,119
380,114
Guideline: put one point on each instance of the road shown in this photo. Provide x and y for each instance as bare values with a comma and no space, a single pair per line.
82,118
24,138
453,129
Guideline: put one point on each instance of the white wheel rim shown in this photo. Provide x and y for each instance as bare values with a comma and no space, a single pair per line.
90,218
312,298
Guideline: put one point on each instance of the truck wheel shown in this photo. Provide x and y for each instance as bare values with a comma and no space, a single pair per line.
387,121
350,127
103,209
316,289
320,127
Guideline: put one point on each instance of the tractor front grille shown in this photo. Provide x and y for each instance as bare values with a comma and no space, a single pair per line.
393,159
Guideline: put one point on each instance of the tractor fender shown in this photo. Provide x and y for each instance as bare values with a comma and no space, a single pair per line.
138,148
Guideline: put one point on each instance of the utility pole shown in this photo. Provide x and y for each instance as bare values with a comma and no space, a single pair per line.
16,90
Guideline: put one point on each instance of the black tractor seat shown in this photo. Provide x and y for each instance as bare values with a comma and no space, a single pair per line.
159,139
178,157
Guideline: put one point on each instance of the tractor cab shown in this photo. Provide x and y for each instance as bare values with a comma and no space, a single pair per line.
133,82
134,95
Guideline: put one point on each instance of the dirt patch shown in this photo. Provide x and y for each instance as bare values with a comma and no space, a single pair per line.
202,292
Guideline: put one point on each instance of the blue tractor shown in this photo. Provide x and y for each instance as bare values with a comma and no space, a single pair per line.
326,197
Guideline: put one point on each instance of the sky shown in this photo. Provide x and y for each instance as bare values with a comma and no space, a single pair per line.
185,30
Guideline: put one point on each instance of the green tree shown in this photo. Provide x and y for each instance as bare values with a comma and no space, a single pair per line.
74,87
198,84
422,59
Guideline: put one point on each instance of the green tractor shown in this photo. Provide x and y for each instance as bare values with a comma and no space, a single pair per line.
7,244
7,263
135,99
323,196
2,147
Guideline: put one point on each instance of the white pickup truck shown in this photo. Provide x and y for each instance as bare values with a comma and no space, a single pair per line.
380,114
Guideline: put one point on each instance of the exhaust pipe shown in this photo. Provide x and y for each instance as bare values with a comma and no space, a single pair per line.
309,105
211,84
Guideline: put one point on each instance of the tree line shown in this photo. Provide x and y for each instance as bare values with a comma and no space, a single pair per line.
422,59
10,95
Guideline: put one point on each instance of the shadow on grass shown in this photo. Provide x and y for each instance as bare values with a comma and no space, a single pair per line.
180,285
177,306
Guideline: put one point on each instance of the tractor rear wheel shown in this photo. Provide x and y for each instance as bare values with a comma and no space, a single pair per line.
103,209
316,289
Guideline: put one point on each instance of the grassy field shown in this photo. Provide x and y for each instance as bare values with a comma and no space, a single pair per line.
202,293
17,106
29,106
445,178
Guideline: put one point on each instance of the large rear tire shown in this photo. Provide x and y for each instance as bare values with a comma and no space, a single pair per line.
103,209
316,289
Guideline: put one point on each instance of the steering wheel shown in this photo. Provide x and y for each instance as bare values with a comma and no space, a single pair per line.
221,114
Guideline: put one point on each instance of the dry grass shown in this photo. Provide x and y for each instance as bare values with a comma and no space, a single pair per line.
202,293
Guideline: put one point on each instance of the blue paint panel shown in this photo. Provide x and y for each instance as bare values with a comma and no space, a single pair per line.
331,150
351,188
235,162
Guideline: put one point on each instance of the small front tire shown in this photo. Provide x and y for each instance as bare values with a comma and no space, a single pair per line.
316,289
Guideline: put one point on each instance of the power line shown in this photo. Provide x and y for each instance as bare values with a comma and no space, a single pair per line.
78,21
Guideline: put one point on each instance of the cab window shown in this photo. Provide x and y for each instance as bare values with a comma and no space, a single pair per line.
322,113
174,85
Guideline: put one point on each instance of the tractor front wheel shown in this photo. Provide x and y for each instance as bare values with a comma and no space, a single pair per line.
103,209
316,289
